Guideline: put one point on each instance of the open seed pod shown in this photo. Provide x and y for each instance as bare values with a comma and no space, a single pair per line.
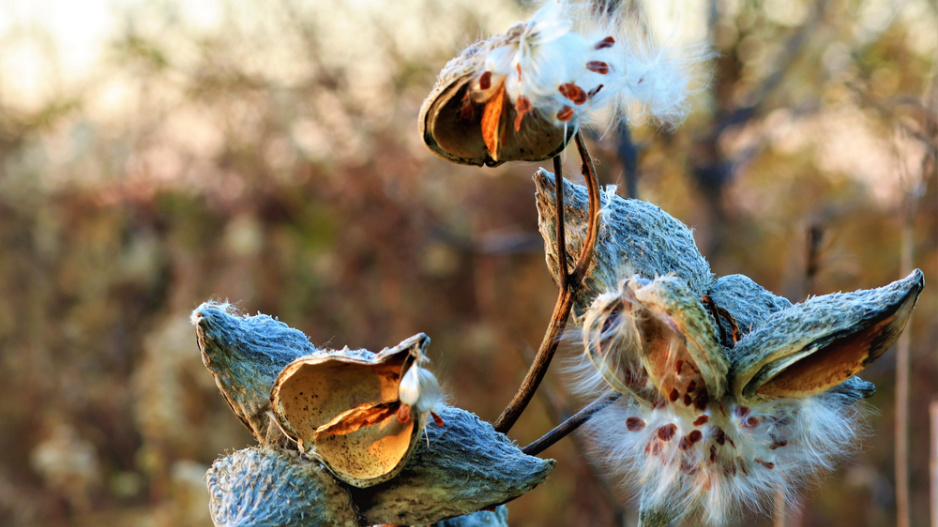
634,237
451,121
273,487
654,339
814,346
344,408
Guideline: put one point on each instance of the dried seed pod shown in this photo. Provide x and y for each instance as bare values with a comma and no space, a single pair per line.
461,468
816,345
635,237
653,339
343,408
273,487
245,355
451,121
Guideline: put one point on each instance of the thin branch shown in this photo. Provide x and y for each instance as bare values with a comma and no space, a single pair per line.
558,319
561,236
568,426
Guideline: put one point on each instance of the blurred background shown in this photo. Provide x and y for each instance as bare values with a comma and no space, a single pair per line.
157,154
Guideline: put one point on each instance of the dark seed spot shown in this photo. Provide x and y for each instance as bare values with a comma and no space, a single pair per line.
694,436
720,437
573,92
485,81
565,114
653,447
742,467
598,66
692,386
742,411
700,402
688,399
778,444
713,453
767,464
701,420
666,432
594,91
634,424
730,439
752,422
605,43
674,395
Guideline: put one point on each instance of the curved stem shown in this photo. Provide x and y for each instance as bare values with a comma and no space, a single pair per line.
571,424
568,288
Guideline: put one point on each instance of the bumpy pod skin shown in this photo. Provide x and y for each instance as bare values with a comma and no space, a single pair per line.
635,237
319,391
496,518
268,486
458,469
748,302
453,130
245,355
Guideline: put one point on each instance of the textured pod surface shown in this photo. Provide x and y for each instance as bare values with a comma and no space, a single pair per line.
245,355
820,343
748,302
451,124
466,466
496,518
271,487
634,237
341,407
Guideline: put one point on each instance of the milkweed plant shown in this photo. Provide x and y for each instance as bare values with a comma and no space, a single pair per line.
710,395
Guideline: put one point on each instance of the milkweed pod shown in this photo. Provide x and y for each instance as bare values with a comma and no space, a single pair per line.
655,336
453,120
270,486
816,345
342,408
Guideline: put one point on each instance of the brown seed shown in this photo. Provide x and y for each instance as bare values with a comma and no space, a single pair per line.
605,43
701,401
778,444
713,453
694,436
522,106
720,436
666,432
573,92
688,399
767,464
598,66
485,81
742,411
678,365
594,91
565,114
634,424
692,386
701,420
751,423
674,395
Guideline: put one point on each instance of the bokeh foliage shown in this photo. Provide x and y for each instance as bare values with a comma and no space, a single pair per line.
271,158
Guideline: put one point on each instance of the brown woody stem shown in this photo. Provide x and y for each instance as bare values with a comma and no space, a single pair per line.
571,424
568,288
